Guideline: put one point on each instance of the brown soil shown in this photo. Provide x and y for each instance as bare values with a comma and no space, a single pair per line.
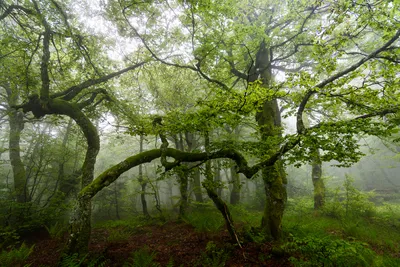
173,240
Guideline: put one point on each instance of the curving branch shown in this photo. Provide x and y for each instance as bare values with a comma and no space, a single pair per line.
73,91
195,68
110,175
91,99
361,117
44,65
307,96
300,31
15,7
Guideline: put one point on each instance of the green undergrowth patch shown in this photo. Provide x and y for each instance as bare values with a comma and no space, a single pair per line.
353,233
214,255
325,251
205,218
86,260
380,231
242,215
133,222
142,258
15,256
119,230
56,230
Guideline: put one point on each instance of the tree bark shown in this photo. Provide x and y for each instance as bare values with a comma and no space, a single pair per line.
16,126
143,183
197,185
316,172
217,174
182,179
269,121
235,192
318,182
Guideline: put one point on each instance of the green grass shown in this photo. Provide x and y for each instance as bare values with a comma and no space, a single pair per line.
205,218
380,233
133,223
240,214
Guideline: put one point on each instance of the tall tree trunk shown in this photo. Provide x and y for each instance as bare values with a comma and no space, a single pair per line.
197,185
235,192
116,201
217,174
16,126
235,178
191,144
182,180
80,223
66,182
183,188
316,173
143,182
269,121
274,184
319,187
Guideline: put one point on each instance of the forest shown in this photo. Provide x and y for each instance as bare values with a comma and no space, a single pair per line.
199,133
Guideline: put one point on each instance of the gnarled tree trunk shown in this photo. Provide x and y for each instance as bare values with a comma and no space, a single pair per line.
269,121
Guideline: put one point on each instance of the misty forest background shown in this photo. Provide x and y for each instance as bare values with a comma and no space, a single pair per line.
269,128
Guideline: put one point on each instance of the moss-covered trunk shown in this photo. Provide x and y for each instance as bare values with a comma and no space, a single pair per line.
80,223
80,226
197,185
316,172
16,126
182,179
218,178
143,182
235,192
269,121
319,187
275,190
18,168
274,177
183,188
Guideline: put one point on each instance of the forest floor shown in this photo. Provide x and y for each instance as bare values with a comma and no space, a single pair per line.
365,235
169,244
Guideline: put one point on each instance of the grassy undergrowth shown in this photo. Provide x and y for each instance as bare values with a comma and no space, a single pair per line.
344,233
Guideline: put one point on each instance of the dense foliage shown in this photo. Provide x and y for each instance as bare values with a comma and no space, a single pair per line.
211,100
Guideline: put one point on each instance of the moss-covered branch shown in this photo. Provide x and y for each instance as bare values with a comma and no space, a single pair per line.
110,175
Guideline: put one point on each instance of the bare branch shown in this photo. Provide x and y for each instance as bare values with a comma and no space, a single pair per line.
73,91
